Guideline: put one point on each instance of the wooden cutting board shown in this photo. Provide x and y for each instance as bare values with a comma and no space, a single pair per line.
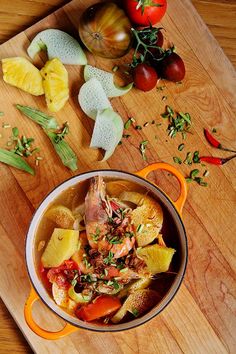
201,317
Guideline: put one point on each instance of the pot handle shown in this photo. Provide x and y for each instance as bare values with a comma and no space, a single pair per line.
179,203
33,296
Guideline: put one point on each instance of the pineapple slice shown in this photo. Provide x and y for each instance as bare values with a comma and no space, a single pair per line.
156,257
61,246
55,84
62,216
20,72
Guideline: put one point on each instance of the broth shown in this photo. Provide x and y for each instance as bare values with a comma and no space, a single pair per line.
74,198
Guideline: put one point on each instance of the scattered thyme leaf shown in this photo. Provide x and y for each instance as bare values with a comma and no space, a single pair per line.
164,98
188,159
115,68
128,124
169,110
194,173
142,149
160,88
6,125
108,259
164,115
181,147
15,132
214,130
206,173
135,312
177,160
138,127
188,179
196,158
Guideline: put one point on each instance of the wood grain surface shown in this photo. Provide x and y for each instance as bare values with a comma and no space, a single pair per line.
200,319
220,16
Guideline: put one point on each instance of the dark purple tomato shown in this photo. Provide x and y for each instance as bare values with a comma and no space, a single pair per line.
145,77
171,68
105,30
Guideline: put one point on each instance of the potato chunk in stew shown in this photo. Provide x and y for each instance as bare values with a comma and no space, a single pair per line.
61,246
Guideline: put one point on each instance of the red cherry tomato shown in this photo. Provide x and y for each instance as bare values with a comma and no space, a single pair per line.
63,274
112,272
102,306
145,77
145,12
172,68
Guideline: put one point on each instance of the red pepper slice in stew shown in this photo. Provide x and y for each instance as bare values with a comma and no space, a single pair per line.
102,306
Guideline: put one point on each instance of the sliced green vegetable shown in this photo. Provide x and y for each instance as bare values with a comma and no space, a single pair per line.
63,150
107,81
92,98
58,44
79,298
11,159
107,131
38,117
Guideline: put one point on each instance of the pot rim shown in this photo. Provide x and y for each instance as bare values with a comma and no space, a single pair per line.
136,322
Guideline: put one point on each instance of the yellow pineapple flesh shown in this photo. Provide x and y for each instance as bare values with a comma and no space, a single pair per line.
55,84
20,72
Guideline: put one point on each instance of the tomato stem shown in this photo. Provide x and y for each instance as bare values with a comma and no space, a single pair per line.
149,33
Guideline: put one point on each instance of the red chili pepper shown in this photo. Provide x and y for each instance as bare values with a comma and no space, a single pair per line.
216,160
213,142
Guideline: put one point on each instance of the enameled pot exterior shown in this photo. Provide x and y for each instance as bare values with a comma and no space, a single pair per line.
39,292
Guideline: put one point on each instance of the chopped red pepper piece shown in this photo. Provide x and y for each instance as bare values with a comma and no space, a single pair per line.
102,306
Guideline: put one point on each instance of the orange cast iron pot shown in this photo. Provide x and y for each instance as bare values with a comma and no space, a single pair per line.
39,292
